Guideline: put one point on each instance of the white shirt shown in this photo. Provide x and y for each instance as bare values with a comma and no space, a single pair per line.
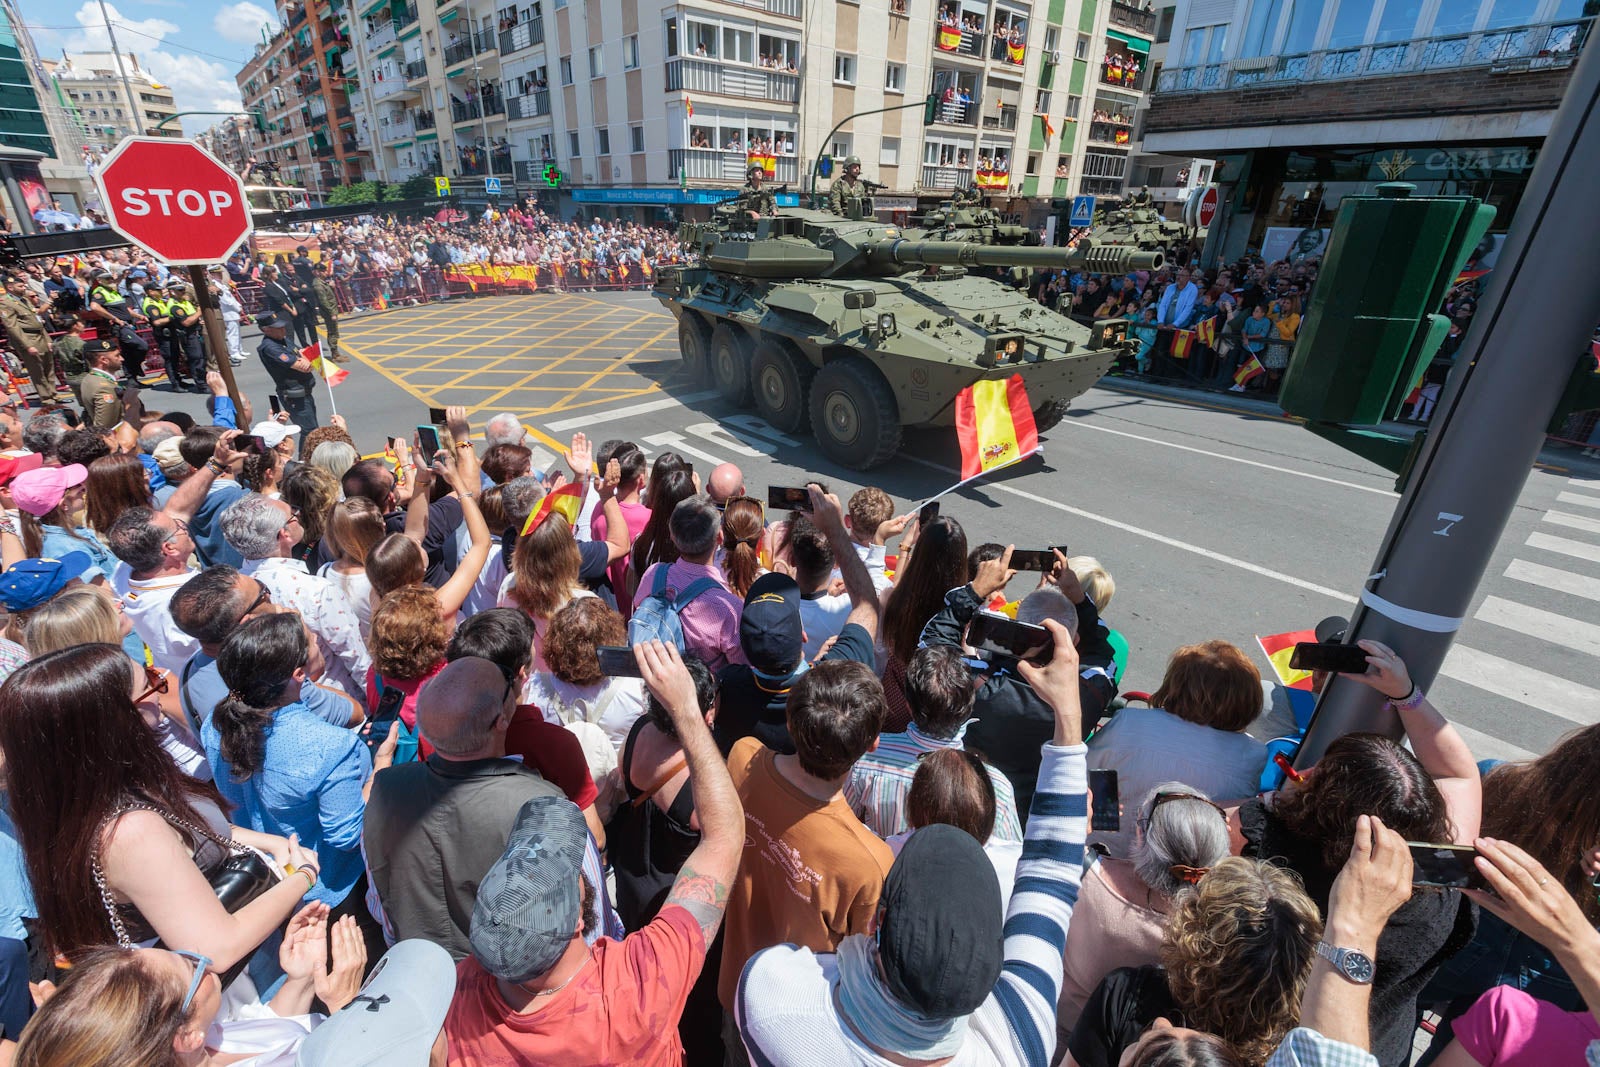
486,590
357,589
822,617
613,704
146,604
873,557
327,610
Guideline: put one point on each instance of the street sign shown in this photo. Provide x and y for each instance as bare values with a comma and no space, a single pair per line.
174,199
1082,212
1208,207
491,186
441,187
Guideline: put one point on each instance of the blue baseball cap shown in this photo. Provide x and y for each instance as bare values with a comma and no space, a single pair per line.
770,631
30,582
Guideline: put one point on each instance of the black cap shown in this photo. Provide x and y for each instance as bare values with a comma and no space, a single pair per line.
95,346
770,631
942,938
268,319
1330,631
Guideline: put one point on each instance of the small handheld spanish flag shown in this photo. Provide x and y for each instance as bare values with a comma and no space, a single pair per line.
1248,371
326,371
1279,648
1182,344
567,501
994,423
1206,332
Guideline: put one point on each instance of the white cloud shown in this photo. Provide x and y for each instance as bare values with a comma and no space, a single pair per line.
241,23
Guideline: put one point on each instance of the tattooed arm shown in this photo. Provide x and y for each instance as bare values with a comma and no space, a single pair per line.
702,885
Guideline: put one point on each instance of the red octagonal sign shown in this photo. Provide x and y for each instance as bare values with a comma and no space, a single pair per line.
175,200
1208,207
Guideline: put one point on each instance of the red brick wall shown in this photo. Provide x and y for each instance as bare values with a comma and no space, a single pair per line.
1473,91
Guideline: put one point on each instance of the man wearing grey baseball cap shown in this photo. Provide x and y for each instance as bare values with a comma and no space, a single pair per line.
533,991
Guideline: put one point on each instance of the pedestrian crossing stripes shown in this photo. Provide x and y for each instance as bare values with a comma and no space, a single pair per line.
1578,498
1554,578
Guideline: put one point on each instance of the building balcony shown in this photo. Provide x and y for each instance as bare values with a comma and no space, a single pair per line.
424,120
531,106
787,8
1137,19
955,113
1110,133
1126,79
1101,186
955,41
946,177
1001,118
398,130
530,170
1525,48
522,35
406,16
382,37
716,165
1001,50
468,46
497,162
727,79
390,87
416,68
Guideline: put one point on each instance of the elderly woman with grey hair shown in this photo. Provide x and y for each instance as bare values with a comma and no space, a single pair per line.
1123,904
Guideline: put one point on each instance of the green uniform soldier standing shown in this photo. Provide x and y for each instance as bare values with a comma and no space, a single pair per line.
102,400
756,198
328,308
846,186
26,335
70,356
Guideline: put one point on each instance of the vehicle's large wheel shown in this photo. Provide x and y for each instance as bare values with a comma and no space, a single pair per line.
730,364
694,341
781,377
1049,413
853,414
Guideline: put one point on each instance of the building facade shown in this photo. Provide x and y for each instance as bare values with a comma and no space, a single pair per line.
298,82
1303,103
95,91
229,140
647,109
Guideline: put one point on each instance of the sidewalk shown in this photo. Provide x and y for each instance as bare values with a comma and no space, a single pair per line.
1560,456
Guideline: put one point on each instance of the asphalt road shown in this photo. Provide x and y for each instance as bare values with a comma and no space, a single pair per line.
1215,523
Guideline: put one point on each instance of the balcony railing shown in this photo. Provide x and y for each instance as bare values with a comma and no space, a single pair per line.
406,17
382,37
467,110
956,113
787,8
391,86
946,177
531,170
956,41
396,131
498,162
416,68
1125,78
1133,18
530,106
712,164
459,52
1002,50
1101,186
494,105
1547,45
1110,133
424,120
522,35
710,76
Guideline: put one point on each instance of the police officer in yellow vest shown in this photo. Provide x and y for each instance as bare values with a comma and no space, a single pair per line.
112,316
155,309
187,342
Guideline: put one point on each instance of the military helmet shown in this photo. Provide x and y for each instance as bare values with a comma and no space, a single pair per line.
755,168
852,161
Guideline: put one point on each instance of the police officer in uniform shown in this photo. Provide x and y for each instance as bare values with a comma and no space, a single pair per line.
291,372
187,345
112,314
303,286
757,199
159,312
846,186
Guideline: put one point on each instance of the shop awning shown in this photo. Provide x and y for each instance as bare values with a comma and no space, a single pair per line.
1135,44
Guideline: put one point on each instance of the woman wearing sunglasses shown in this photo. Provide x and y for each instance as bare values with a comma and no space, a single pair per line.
157,1008
113,832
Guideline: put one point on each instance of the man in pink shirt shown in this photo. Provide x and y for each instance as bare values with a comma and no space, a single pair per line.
633,465
711,620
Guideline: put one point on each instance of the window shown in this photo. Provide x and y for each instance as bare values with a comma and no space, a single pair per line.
738,46
672,38
1033,164
841,148
566,70
1041,103
1081,49
894,78
602,141
636,138
890,153
630,52
1074,103
560,5
573,148
1164,25
596,62
778,53
1052,39
844,68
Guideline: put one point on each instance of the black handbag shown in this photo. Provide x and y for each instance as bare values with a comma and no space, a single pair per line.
241,878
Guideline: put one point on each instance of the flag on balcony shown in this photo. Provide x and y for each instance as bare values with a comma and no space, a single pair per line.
768,163
1182,344
1120,137
994,423
688,106
949,38
993,179
1014,53
1049,130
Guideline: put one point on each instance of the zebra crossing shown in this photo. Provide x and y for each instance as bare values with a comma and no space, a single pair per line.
1548,604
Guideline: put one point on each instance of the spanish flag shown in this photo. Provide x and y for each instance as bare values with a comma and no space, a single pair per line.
949,38
1248,371
325,370
1206,332
380,303
994,423
1278,648
688,107
566,501
1049,130
1182,344
1014,53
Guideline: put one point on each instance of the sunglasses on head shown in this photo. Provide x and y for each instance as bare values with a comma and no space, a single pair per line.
201,963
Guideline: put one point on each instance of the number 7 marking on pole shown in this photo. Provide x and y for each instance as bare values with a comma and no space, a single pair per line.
1449,520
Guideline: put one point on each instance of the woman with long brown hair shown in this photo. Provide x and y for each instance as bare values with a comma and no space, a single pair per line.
543,578
743,524
119,843
312,492
938,565
116,483
654,543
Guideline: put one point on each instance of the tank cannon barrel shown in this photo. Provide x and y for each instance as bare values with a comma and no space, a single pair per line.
1102,259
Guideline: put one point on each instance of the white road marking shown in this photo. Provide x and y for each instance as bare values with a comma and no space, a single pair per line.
1083,425
1515,681
613,414
675,442
710,431
1578,498
1554,578
1548,626
1171,542
1485,747
1572,522
753,424
1566,546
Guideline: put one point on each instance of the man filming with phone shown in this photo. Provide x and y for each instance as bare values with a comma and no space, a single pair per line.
1010,721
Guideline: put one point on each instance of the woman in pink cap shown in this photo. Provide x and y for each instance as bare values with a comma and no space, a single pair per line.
49,501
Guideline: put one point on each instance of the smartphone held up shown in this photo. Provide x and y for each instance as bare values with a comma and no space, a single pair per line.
1330,657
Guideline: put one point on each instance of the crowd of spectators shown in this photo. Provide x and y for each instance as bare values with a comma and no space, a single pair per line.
318,759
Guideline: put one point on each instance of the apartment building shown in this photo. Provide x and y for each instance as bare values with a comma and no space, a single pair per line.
297,80
1304,102
1170,179
91,87
229,140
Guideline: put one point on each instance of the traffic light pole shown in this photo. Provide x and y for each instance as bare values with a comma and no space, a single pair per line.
1514,362
211,318
927,106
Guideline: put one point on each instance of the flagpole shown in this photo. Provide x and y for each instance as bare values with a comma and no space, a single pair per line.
981,474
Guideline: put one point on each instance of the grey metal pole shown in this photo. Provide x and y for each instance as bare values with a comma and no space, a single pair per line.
1486,433
127,86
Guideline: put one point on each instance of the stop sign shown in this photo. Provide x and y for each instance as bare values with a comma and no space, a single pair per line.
1208,207
174,199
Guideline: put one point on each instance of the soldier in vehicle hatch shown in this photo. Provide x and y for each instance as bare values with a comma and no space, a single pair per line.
757,199
846,186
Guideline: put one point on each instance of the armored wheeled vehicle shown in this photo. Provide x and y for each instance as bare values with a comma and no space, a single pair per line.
859,329
1139,224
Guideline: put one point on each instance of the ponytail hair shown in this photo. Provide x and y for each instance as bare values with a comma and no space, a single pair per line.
257,662
742,530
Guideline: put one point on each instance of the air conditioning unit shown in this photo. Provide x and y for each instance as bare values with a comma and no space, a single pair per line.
1055,57
1252,63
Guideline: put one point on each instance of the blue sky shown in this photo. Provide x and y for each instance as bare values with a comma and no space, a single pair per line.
194,47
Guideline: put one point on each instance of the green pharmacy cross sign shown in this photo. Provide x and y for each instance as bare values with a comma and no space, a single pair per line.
552,175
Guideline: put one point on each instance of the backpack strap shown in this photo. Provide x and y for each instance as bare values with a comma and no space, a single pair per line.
659,586
692,590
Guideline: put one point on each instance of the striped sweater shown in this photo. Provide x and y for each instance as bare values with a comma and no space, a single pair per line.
785,1007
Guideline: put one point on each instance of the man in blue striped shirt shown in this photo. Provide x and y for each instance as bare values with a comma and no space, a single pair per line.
923,987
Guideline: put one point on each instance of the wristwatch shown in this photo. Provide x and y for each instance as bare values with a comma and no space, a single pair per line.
1355,966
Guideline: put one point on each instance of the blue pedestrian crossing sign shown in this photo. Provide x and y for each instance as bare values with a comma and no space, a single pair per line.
1082,212
491,186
